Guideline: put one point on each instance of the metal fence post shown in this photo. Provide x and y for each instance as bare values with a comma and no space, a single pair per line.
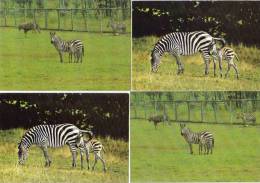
176,112
15,23
5,17
58,11
188,105
46,18
71,17
201,111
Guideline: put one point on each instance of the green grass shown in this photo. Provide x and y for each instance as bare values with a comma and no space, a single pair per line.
193,78
32,62
116,157
163,155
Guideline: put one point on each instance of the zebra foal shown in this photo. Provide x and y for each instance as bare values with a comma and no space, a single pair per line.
88,146
53,136
184,43
73,47
204,138
227,54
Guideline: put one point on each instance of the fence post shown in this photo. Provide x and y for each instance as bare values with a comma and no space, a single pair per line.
188,104
5,17
101,18
230,111
201,111
155,107
58,11
176,112
145,110
15,23
46,18
71,17
34,19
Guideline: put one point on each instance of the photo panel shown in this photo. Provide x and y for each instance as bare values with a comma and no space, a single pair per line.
64,137
210,136
195,45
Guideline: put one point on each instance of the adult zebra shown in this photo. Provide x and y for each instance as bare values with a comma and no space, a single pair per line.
73,47
184,43
53,136
195,138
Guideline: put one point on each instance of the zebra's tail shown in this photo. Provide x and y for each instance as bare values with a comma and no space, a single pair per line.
222,40
90,133
83,51
236,57
213,143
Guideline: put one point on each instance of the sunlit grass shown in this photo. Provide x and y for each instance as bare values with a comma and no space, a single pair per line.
116,157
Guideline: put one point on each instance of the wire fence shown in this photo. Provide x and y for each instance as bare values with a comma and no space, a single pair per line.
197,111
89,20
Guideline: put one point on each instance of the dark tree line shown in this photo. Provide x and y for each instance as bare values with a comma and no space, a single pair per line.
235,21
106,114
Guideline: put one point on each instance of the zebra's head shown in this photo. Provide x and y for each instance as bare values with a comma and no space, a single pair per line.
54,37
22,153
184,129
155,61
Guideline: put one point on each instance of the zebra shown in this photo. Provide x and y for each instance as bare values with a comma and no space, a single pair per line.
73,47
88,146
194,138
247,117
29,26
184,43
158,119
227,54
117,27
207,144
54,136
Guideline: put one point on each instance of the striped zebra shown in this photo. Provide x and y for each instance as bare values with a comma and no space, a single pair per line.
207,144
53,136
29,26
158,119
227,54
73,47
194,138
184,43
247,117
117,27
89,146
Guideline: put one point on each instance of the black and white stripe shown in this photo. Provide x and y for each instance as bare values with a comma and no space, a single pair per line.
195,137
247,118
207,143
227,54
91,146
184,43
52,136
73,47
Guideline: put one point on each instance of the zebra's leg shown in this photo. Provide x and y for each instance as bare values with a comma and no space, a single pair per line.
61,59
228,69
200,147
191,148
206,61
179,64
73,151
81,158
102,160
235,68
46,156
87,157
95,162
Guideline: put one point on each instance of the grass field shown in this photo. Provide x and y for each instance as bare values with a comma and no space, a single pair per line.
163,155
116,157
193,78
32,62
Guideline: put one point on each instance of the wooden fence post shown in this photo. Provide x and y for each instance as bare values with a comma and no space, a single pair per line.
176,111
188,105
201,111
58,11
5,17
46,18
101,18
71,17
15,23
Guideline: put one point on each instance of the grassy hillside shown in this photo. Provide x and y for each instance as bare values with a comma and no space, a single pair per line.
116,157
163,155
32,62
193,78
